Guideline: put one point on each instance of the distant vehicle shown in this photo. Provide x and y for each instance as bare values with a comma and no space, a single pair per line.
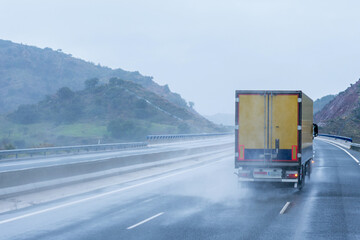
274,136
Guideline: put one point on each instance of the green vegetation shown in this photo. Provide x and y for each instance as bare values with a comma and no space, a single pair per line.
118,98
47,102
110,112
50,134
84,130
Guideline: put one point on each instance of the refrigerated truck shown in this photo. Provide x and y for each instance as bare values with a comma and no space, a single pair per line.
273,136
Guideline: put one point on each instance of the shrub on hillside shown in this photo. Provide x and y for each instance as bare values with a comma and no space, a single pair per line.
91,83
65,93
128,130
25,114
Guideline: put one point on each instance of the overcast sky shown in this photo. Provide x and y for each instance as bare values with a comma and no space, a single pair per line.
203,49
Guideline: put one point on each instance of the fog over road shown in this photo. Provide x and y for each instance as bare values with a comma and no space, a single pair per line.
204,202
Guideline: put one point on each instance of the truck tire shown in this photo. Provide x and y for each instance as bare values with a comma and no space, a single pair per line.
302,177
308,168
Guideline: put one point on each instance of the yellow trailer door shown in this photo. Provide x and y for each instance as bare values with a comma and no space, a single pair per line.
252,124
267,126
284,126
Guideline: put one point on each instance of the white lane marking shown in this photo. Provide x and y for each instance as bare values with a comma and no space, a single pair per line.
285,207
148,200
105,194
144,221
358,162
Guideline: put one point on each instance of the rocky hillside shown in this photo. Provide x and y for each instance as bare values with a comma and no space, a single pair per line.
28,73
341,116
320,103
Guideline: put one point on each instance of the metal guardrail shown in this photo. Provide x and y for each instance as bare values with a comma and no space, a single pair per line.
354,146
15,153
44,151
172,137
336,137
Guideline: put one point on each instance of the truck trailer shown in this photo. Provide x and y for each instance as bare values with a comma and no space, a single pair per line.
273,136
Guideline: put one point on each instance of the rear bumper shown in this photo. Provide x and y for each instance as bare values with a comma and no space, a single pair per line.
267,180
267,164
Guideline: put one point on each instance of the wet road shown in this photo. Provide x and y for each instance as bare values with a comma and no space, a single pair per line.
37,162
205,203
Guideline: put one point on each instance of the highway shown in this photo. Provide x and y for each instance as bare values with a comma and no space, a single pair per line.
204,202
35,162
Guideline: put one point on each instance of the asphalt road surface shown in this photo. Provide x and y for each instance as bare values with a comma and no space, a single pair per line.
53,160
205,203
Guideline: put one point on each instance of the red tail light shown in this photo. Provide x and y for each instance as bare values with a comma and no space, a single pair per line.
292,174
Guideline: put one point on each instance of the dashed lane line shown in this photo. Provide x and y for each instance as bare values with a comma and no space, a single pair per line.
144,221
284,208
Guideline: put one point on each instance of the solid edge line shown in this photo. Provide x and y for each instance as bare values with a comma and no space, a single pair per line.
284,208
354,158
335,142
107,193
144,221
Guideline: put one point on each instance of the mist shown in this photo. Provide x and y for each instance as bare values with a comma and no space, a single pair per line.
203,50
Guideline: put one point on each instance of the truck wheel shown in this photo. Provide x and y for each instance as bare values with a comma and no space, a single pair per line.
302,177
304,173
309,168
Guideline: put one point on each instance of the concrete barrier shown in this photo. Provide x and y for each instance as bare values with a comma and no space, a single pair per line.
35,175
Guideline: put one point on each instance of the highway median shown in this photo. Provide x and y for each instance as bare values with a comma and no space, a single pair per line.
20,181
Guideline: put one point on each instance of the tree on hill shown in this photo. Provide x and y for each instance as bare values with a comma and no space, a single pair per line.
25,114
91,83
115,81
191,104
65,93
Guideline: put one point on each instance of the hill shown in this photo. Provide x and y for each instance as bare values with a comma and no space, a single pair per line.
28,73
320,103
341,116
110,112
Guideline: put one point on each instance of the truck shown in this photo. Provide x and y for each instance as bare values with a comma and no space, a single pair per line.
274,134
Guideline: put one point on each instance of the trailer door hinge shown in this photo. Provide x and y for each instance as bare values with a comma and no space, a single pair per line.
299,127
299,99
236,154
237,99
299,155
236,127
